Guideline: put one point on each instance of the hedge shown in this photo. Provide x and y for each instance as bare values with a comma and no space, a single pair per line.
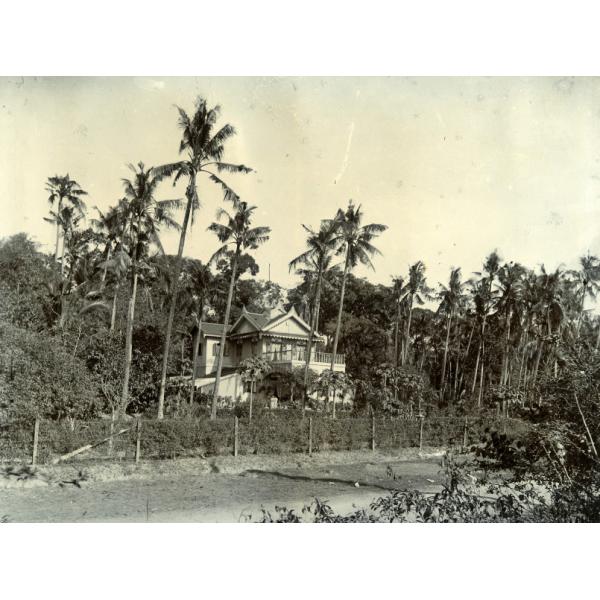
270,432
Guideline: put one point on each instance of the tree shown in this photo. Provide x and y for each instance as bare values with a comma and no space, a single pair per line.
144,216
416,289
252,369
204,153
315,262
451,301
45,379
198,289
237,232
354,241
330,382
484,297
65,193
587,282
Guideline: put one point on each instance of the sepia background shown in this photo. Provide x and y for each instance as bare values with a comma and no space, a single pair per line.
456,166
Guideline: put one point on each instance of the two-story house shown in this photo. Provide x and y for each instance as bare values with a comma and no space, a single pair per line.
279,337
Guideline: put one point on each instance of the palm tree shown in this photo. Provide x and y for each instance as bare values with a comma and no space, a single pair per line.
204,153
109,226
63,191
144,216
415,289
237,232
483,298
587,284
315,262
253,369
199,288
510,287
452,300
354,241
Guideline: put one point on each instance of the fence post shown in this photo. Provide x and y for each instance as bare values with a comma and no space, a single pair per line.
310,436
373,431
236,427
422,418
138,440
36,435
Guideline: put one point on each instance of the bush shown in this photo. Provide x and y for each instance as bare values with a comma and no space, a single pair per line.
270,432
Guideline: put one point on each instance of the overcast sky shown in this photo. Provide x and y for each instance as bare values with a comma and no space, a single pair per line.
454,166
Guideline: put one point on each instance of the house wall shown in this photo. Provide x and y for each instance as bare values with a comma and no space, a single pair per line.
207,361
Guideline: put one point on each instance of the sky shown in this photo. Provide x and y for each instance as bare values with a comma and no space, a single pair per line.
455,166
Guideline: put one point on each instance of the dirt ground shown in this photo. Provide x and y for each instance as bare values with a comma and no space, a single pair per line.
224,489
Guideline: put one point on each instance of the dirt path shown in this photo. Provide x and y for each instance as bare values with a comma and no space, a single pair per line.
220,497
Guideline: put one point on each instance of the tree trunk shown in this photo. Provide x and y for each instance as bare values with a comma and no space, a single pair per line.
313,322
128,343
396,344
165,363
213,412
105,269
195,349
113,315
407,335
443,382
333,405
339,317
57,229
251,398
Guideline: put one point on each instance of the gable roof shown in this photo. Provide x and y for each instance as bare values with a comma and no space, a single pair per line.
260,322
291,314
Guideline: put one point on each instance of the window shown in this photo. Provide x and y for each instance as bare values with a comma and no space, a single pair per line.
216,349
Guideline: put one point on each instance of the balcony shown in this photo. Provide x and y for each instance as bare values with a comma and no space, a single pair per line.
299,355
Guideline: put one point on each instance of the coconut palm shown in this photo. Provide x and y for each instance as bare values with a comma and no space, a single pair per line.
354,241
109,226
315,262
199,288
144,216
415,290
64,192
508,304
236,232
452,300
587,285
204,149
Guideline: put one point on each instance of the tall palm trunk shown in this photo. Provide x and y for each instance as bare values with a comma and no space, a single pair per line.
313,325
396,349
213,412
113,315
129,334
105,269
505,358
407,333
443,382
341,308
251,398
196,347
57,229
165,363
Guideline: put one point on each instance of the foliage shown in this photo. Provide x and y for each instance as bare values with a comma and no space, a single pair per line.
43,378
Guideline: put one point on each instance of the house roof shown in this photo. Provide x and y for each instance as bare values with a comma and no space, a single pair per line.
262,322
213,328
